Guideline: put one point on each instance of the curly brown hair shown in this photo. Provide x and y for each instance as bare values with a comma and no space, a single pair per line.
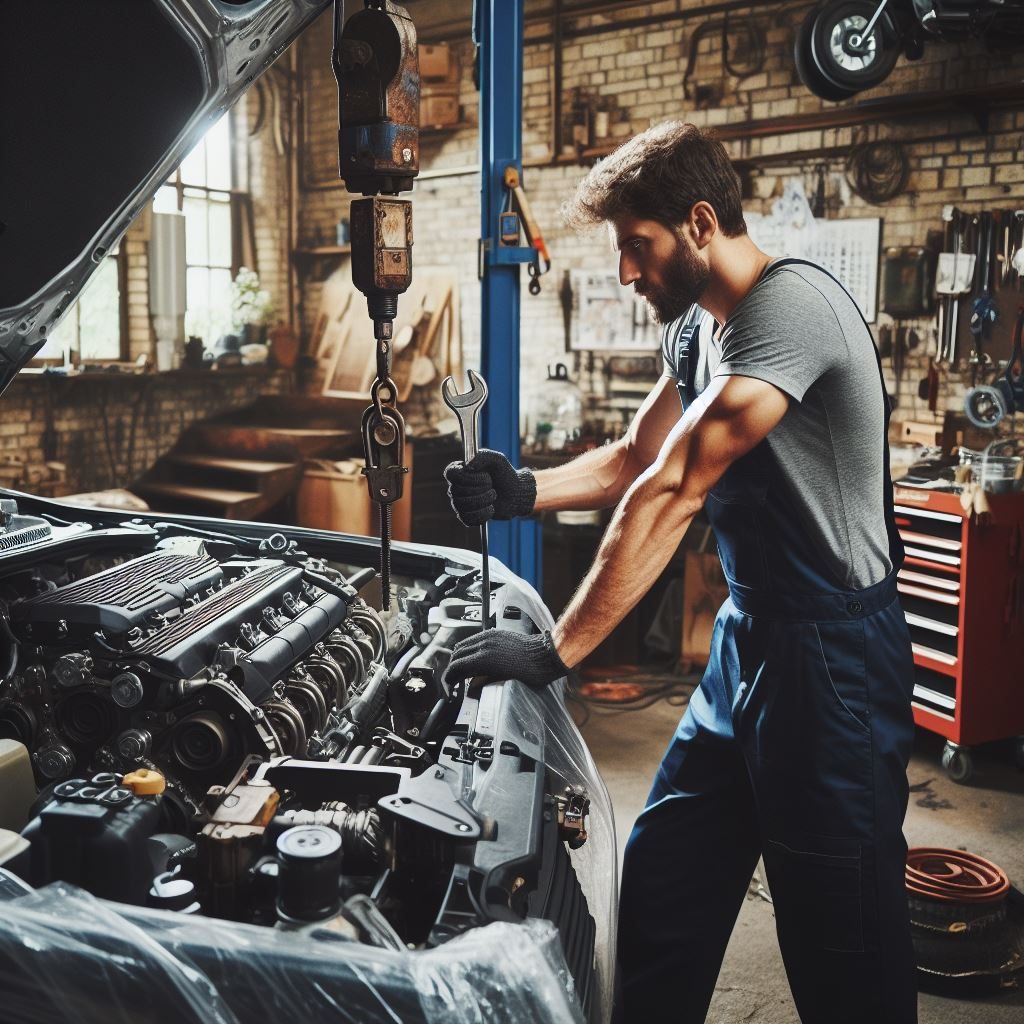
659,175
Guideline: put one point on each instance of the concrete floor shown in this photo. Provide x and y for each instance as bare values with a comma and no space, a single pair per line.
986,817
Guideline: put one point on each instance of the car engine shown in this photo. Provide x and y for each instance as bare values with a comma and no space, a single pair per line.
221,725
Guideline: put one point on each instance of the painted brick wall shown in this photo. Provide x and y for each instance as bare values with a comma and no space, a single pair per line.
638,76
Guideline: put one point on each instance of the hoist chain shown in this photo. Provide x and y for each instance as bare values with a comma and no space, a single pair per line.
383,433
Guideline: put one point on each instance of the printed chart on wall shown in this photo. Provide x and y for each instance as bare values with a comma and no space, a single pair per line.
607,317
848,248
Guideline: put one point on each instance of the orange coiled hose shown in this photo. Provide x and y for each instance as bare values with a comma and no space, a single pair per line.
954,876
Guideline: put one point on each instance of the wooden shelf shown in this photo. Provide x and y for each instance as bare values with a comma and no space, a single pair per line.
323,250
977,102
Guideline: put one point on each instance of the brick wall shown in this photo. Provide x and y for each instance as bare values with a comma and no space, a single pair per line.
86,422
637,75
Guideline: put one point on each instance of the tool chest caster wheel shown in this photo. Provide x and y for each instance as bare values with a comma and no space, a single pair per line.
958,762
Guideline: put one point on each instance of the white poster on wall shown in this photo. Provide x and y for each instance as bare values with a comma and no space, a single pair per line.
849,249
607,317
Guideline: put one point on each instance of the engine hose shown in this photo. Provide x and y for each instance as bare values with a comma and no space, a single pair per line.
12,655
403,663
362,841
367,705
373,755
435,716
355,755
330,586
358,580
954,876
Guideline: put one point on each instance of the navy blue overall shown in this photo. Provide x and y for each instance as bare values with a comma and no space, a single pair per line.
794,747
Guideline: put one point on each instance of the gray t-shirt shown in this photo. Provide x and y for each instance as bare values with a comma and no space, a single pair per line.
799,330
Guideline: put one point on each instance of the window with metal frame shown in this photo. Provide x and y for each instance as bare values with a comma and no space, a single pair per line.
202,189
93,329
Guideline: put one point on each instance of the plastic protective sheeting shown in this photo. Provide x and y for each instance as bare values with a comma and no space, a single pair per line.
566,754
68,958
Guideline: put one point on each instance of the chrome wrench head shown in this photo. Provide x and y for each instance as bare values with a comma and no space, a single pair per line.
466,407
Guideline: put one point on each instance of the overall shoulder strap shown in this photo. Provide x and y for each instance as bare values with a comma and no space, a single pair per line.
896,551
684,338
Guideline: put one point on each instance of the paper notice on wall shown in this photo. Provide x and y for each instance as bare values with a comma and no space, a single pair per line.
955,274
849,249
607,317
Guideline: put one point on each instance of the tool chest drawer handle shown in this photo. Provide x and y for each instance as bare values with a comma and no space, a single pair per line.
927,513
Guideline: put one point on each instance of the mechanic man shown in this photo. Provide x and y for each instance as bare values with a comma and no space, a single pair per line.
796,743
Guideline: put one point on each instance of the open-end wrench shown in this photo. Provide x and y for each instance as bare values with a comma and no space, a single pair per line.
467,408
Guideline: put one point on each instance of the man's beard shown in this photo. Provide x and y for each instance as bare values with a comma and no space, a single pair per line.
686,278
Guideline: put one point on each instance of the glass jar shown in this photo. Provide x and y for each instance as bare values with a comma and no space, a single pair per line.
557,411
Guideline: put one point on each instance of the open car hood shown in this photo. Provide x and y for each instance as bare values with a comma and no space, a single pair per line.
100,104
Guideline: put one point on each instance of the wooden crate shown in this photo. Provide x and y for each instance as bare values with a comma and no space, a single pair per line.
334,496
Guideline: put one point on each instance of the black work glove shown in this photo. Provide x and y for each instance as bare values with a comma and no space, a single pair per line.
502,654
489,487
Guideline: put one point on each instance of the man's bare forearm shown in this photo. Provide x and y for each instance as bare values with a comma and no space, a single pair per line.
727,421
639,543
597,479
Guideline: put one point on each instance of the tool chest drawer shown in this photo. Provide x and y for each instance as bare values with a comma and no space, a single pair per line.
934,691
962,591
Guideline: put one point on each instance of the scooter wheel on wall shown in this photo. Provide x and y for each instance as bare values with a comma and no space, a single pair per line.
808,70
840,54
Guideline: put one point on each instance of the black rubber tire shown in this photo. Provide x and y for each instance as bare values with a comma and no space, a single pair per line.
1018,752
807,69
841,69
958,762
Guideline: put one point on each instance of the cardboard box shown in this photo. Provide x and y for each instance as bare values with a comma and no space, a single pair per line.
704,590
439,106
437,63
334,496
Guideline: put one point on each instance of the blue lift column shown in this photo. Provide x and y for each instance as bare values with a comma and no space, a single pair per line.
498,29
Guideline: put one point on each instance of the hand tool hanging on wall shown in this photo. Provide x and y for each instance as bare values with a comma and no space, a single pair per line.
467,408
984,312
534,238
954,277
376,65
987,405
1017,247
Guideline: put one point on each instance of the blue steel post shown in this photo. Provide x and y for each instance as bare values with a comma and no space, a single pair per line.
499,32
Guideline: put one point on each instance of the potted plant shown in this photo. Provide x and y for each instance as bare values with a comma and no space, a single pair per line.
251,307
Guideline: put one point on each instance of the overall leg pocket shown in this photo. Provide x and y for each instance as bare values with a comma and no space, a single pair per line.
818,886
840,646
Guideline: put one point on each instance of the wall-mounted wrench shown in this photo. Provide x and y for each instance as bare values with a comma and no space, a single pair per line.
467,408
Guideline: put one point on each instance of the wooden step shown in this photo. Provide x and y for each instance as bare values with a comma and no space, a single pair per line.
268,443
227,504
257,467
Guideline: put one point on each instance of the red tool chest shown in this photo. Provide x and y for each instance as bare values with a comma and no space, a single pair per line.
962,590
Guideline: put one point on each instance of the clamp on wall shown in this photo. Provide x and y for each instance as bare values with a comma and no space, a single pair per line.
510,223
